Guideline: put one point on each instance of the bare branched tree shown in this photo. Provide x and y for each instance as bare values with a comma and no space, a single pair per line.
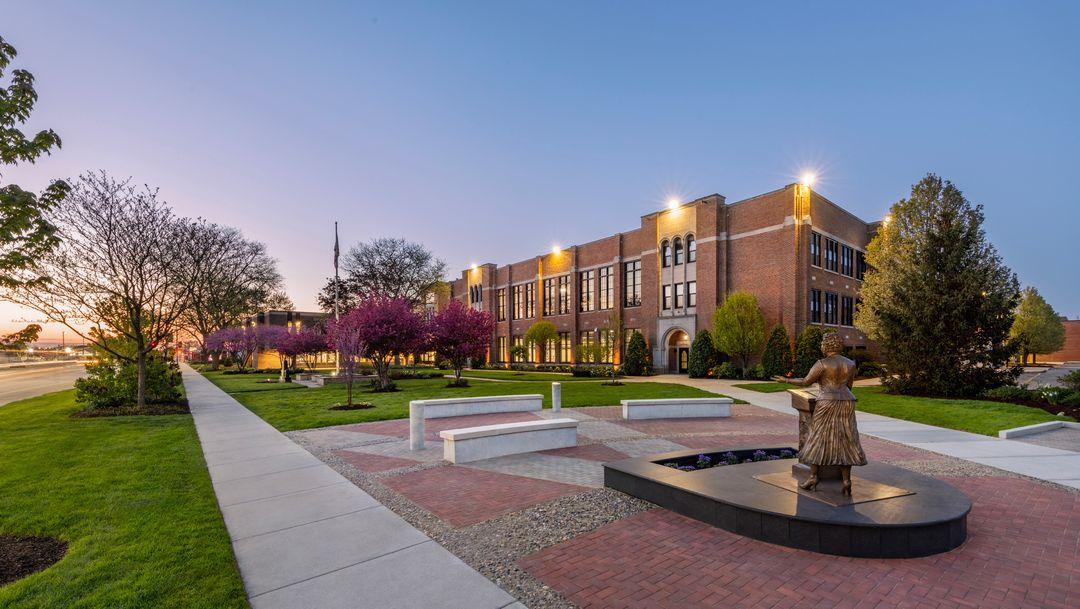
389,268
118,270
230,276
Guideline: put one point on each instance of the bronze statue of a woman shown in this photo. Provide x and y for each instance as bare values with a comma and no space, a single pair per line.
834,436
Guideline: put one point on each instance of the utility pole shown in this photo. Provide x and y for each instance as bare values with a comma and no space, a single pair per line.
337,296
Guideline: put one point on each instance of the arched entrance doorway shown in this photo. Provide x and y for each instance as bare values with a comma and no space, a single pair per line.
678,351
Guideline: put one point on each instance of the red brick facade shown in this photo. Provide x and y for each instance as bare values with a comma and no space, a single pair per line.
761,245
1070,352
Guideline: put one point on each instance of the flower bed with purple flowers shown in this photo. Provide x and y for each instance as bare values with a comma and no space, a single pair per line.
730,457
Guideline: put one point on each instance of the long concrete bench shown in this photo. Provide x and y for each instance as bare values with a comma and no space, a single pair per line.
676,408
487,441
419,410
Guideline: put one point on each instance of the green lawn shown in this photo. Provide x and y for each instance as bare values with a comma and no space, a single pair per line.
976,416
291,406
769,387
132,498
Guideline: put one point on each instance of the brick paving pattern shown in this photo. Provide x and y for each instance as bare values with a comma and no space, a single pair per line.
1022,551
592,452
546,467
462,496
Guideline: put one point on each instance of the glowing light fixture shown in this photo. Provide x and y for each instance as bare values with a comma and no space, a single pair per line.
472,267
556,250
673,203
808,179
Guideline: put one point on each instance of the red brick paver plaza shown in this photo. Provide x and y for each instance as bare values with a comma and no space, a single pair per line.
592,452
462,496
1022,550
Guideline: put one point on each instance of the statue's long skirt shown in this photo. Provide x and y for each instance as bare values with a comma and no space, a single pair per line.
834,435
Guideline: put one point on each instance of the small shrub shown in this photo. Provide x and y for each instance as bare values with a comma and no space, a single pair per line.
637,356
703,356
581,371
1052,395
726,370
1072,400
757,373
112,384
1071,380
1011,392
376,388
777,358
458,384
808,349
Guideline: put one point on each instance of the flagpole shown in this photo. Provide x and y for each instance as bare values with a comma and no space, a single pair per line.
337,290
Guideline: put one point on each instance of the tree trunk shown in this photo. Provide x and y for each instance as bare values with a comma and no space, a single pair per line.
284,366
140,391
348,387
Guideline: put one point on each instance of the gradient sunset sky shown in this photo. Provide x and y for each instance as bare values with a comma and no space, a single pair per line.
491,130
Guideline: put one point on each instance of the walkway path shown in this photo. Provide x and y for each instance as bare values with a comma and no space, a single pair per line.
1043,462
304,536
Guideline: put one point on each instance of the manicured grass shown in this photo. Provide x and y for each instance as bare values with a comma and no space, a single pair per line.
976,416
769,387
289,406
130,495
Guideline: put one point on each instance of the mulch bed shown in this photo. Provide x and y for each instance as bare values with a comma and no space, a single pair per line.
353,407
22,556
151,409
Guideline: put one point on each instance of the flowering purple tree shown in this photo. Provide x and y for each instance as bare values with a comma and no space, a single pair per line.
345,336
287,346
460,333
388,327
308,343
237,343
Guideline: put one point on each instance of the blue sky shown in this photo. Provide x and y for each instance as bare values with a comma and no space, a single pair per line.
490,130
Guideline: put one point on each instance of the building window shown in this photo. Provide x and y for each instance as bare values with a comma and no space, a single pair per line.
815,249
607,287
524,301
847,261
666,303
500,304
519,341
587,286
860,265
815,306
830,308
665,254
847,311
564,295
679,295
607,346
500,349
632,283
551,295
678,250
832,251
691,249
551,350
565,348
691,293
585,344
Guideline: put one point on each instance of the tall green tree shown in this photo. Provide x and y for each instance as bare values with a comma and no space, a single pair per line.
808,350
1037,328
540,335
637,356
777,357
703,355
25,233
739,328
938,297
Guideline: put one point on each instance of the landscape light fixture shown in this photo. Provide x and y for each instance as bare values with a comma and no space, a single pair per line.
472,267
556,250
808,179
673,203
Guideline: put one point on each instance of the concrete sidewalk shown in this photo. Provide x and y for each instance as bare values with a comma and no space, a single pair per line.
1046,463
305,537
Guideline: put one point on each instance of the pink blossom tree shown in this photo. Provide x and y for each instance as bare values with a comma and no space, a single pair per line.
388,328
345,336
237,343
460,333
309,343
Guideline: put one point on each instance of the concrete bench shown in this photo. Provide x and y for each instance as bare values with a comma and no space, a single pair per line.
487,441
677,408
419,410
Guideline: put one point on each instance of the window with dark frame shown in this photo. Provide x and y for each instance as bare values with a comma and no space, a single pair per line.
666,302
530,300
551,296
679,288
691,249
815,249
632,283
677,246
847,311
860,265
564,295
691,293
587,288
832,254
500,304
607,288
815,306
847,261
566,348
830,308
665,254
